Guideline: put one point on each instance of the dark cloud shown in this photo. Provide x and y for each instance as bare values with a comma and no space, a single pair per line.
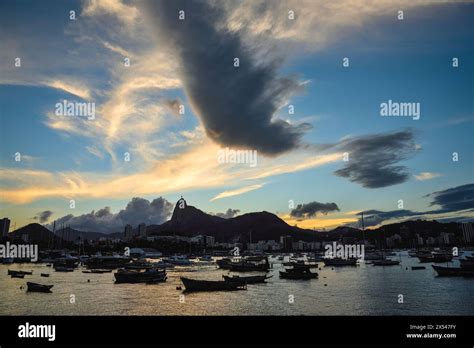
312,209
373,160
230,213
456,198
138,210
236,105
43,216
460,198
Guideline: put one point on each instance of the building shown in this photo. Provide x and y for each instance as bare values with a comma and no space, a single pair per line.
142,231
467,233
128,232
286,242
5,226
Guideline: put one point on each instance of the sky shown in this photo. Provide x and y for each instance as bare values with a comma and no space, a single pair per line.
324,151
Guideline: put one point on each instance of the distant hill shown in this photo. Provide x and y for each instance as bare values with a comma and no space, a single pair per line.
34,233
72,235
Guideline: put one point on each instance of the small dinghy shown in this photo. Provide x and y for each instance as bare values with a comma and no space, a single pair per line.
45,274
35,287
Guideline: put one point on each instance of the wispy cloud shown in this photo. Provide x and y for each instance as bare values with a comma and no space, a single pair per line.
237,192
426,176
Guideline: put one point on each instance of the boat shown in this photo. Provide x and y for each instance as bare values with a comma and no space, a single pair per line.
98,271
375,256
300,263
414,268
45,274
453,271
34,287
211,285
206,258
107,262
17,275
178,260
302,273
385,262
224,263
340,262
11,272
250,266
246,280
63,269
436,258
148,276
66,261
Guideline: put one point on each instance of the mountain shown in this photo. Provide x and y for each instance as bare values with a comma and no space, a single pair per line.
187,221
190,221
72,235
33,233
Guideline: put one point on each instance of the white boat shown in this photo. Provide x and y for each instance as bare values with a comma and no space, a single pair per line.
178,260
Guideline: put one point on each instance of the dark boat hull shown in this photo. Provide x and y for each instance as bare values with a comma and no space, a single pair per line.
210,285
453,271
132,277
385,263
434,259
301,276
33,287
246,280
340,262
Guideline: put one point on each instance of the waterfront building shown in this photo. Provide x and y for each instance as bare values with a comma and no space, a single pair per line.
5,226
142,230
128,232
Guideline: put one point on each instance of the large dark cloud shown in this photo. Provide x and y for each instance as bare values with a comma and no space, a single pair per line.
460,198
43,216
311,209
138,210
373,159
456,198
236,105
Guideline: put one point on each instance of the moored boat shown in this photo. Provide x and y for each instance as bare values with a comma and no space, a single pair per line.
296,273
246,280
11,272
147,276
224,263
385,262
211,285
340,262
436,258
45,274
453,271
35,287
63,269
98,271
178,260
250,266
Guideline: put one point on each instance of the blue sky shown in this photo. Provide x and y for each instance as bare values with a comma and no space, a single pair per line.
174,155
